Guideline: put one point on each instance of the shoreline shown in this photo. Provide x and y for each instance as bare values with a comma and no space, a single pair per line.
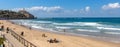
64,38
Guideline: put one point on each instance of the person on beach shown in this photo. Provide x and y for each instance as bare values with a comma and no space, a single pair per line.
22,33
53,40
7,29
30,28
2,28
50,41
43,35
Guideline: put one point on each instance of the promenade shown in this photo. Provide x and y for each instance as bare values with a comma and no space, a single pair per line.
11,41
15,40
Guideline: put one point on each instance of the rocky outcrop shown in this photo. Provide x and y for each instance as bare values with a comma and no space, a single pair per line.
22,14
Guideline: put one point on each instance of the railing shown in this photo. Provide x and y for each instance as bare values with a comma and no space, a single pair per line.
8,42
21,39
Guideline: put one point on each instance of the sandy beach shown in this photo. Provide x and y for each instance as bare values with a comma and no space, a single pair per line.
35,37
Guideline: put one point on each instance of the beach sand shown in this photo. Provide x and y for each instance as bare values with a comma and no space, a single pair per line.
35,37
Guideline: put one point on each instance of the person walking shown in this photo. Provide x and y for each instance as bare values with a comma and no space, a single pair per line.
22,33
7,29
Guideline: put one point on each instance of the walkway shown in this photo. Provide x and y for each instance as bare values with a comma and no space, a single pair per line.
14,42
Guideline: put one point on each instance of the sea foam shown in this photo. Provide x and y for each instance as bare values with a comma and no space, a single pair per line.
87,30
79,24
106,28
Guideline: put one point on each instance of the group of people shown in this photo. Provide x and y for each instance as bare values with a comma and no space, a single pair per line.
8,29
3,28
51,40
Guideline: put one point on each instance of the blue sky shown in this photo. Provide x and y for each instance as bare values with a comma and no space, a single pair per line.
65,8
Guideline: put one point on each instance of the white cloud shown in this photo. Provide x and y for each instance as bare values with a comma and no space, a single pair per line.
40,8
48,9
55,11
84,10
111,6
16,9
87,8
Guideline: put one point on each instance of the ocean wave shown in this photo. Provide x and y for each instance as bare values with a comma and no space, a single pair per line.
62,23
87,30
112,32
59,27
106,28
88,23
29,24
112,28
42,22
79,24
39,27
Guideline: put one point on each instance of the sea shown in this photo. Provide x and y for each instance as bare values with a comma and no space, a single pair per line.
107,29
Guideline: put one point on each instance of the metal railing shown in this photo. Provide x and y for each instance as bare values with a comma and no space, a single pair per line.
9,44
21,39
6,42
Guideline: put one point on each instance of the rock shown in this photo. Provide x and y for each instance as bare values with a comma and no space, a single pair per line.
22,14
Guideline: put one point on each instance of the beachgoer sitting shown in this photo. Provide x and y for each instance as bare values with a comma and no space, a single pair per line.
53,40
22,33
50,41
43,35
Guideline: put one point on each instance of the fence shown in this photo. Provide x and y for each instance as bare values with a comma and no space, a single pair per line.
6,42
21,39
9,44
